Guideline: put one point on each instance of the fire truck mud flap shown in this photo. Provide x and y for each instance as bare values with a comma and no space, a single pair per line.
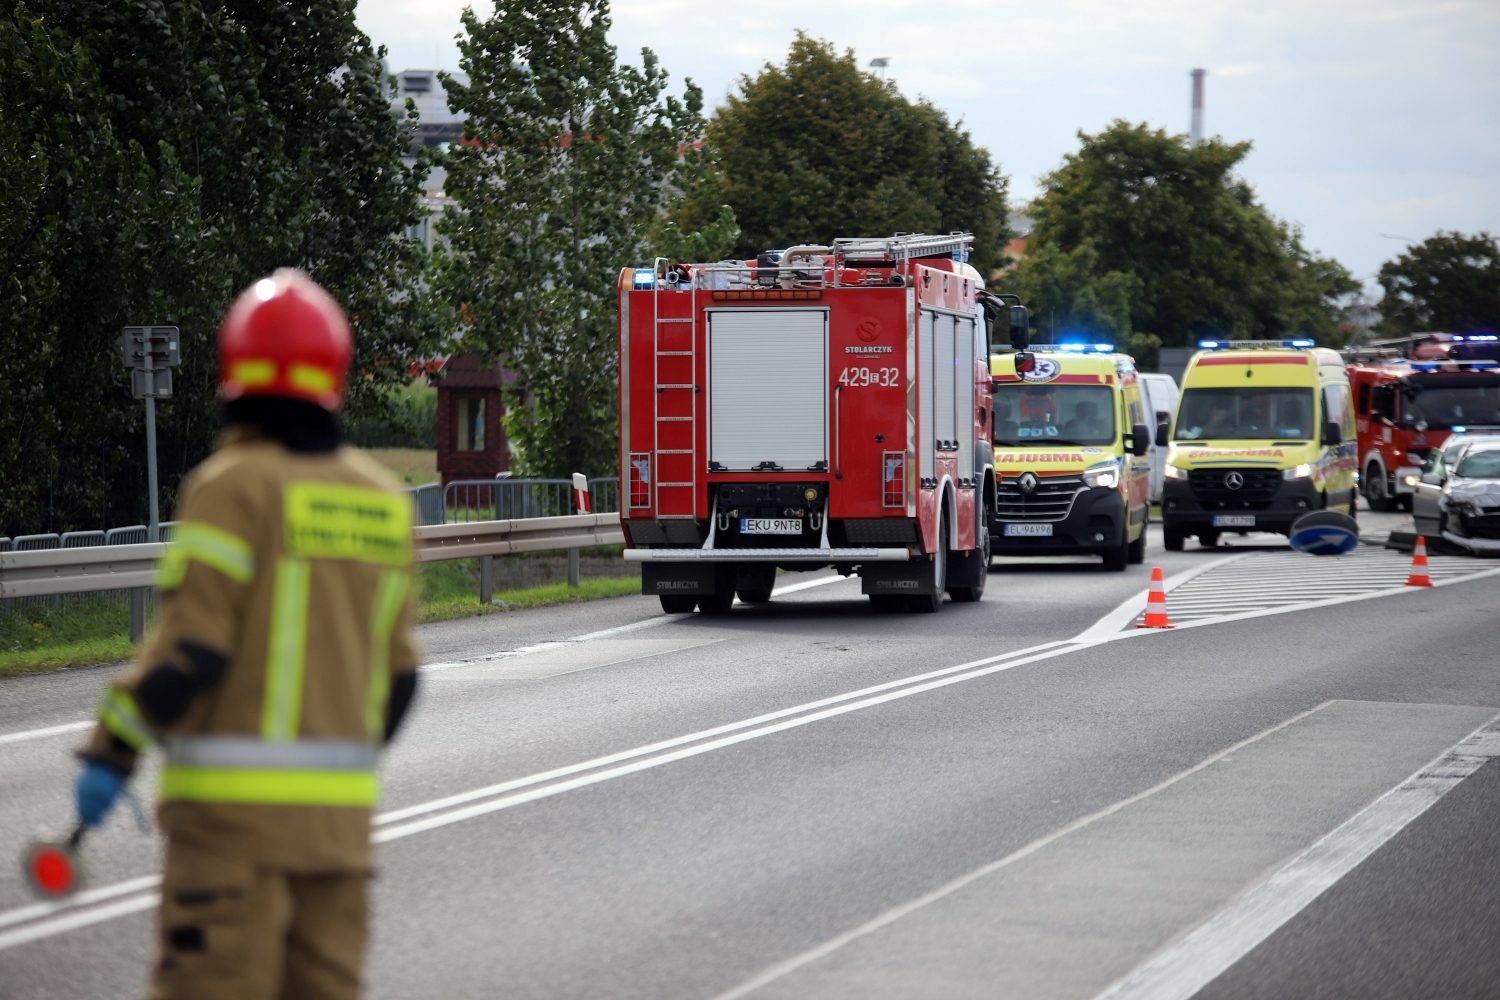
908,579
689,579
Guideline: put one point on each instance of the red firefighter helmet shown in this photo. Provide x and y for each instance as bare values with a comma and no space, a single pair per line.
285,336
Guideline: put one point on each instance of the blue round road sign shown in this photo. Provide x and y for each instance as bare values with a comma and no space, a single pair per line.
1325,533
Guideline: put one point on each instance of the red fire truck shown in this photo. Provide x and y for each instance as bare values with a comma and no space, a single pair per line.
1404,408
818,406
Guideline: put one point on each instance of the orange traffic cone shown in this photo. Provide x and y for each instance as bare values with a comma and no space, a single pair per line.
1419,577
1156,604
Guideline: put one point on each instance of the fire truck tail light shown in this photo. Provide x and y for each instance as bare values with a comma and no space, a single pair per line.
640,479
894,484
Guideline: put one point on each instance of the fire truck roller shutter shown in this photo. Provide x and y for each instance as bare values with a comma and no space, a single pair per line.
963,394
927,460
945,372
768,388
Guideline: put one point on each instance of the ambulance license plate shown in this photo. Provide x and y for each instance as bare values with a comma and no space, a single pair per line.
770,525
1234,520
1012,530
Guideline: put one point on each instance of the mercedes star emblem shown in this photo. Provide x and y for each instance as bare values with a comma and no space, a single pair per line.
1233,480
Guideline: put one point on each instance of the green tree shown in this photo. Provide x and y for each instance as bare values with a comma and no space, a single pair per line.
1448,282
568,169
819,149
1148,240
150,189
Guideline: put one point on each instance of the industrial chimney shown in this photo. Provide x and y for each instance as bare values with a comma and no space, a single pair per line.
1197,131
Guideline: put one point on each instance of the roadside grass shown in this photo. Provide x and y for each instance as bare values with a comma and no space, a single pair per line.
69,632
87,630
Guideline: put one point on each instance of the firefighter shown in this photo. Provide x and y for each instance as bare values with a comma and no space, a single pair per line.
282,663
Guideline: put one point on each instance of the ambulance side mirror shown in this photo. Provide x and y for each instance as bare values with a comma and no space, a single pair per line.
1162,432
1024,362
1020,328
1333,434
1140,440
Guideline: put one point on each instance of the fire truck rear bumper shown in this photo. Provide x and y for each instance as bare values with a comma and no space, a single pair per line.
767,555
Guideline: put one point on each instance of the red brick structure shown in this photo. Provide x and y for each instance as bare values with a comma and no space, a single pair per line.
470,434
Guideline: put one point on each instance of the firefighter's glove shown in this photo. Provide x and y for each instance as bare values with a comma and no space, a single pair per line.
97,788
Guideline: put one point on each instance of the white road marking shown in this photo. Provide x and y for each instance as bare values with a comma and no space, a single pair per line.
1182,969
36,734
47,928
87,897
894,914
609,633
892,690
1130,609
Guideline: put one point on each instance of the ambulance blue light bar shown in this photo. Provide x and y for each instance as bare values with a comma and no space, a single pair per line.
1475,336
645,277
1231,345
1086,348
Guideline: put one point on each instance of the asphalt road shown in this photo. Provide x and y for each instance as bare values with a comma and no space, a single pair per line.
806,799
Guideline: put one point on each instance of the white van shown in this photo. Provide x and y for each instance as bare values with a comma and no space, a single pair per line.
1159,393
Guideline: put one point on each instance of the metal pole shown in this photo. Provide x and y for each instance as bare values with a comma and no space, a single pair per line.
486,579
152,533
1195,134
572,567
138,613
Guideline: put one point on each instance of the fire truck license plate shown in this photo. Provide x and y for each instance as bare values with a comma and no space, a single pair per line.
770,526
1011,530
1234,520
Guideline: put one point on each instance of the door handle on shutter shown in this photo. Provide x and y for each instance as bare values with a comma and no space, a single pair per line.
838,398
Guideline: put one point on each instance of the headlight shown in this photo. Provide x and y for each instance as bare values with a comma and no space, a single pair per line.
1107,476
1303,471
1173,472
1411,480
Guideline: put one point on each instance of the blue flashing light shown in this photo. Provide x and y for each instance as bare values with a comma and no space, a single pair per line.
1104,348
645,277
1299,343
1426,366
1479,336
1086,348
1072,347
1460,429
1483,364
1208,345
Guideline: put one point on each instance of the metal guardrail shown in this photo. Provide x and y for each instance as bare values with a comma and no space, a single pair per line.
469,500
43,572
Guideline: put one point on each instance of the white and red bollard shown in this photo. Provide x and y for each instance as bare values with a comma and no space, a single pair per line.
581,503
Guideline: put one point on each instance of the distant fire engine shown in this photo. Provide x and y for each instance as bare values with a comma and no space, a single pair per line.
818,406
1405,408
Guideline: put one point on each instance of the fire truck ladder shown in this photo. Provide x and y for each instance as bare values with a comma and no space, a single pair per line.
674,497
903,246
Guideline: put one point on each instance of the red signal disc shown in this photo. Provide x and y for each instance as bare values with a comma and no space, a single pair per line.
52,870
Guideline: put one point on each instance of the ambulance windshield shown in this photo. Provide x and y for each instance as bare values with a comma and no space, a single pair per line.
1242,413
1055,414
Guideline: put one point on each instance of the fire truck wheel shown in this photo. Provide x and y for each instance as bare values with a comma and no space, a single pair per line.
1375,489
938,568
678,604
981,556
717,603
754,582
886,603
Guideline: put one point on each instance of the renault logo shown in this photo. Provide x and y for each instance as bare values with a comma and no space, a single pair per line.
1028,483
1233,480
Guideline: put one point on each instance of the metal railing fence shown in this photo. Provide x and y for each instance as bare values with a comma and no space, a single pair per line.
467,500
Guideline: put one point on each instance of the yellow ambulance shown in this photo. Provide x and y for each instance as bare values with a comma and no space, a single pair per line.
1264,433
1070,438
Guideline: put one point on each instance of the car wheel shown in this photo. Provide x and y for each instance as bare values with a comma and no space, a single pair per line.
1172,540
1116,559
1375,489
1137,554
1208,539
1405,502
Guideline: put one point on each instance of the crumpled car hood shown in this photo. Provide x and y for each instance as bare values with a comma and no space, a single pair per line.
1482,492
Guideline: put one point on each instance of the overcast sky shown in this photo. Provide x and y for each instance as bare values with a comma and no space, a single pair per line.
1370,118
